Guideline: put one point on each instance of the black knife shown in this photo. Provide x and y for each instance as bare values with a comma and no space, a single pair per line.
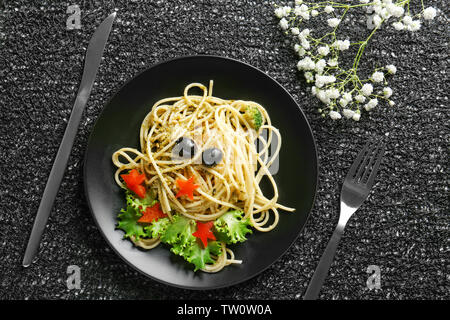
92,61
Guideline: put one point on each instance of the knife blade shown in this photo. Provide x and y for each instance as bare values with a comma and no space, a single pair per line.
93,57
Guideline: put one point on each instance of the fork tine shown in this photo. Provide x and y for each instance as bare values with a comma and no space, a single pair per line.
365,163
369,166
357,162
371,178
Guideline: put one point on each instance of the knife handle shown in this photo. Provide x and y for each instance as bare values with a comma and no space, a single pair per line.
54,179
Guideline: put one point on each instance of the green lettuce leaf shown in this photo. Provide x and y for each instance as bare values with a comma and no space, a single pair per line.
138,203
128,222
179,233
215,248
157,228
231,227
198,256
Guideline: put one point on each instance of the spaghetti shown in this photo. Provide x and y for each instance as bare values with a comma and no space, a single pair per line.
231,184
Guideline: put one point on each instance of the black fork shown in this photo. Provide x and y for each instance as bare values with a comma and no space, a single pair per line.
356,188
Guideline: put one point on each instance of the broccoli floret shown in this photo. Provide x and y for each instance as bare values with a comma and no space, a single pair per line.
254,117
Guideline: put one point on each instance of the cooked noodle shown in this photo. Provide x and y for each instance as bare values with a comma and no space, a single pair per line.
234,183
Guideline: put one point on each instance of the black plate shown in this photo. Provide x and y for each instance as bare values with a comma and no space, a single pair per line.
118,126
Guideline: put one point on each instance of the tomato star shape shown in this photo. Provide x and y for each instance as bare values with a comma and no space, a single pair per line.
152,213
186,188
204,232
133,180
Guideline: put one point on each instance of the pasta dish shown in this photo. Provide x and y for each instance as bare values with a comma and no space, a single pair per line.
194,183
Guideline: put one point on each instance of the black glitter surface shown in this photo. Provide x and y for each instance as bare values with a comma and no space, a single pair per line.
403,227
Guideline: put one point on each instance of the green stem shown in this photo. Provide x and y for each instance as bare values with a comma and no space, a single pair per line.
363,47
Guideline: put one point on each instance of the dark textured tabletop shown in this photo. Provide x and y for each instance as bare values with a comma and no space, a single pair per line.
403,227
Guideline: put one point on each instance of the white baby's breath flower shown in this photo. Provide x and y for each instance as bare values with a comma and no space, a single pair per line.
341,45
329,9
344,45
323,80
371,104
304,33
346,99
304,8
301,10
387,92
356,116
305,15
398,26
323,96
347,96
429,13
314,54
279,12
378,76
385,14
305,44
319,83
333,22
286,10
284,24
395,10
301,51
398,12
348,113
414,25
407,20
306,64
377,7
343,102
330,79
332,93
376,20
332,62
391,69
323,51
367,89
309,76
320,66
360,98
335,115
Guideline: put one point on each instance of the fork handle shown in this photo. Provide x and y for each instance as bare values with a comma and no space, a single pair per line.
312,292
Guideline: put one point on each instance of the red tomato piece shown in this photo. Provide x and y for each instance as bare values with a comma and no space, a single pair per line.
204,232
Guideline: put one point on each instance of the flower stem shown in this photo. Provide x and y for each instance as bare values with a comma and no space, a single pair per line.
362,47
